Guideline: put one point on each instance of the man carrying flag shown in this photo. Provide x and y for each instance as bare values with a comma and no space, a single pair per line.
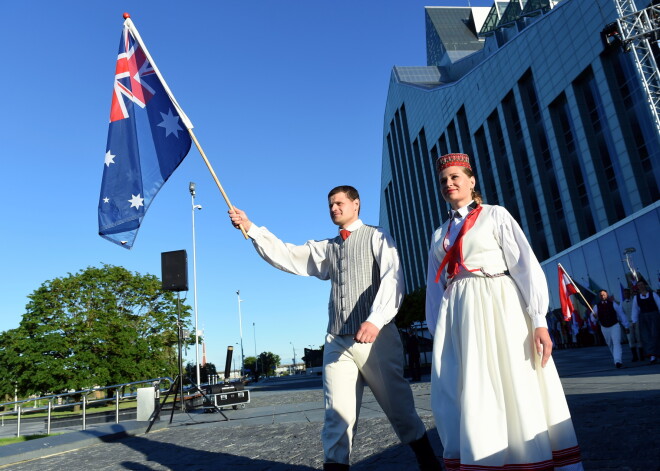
148,138
566,289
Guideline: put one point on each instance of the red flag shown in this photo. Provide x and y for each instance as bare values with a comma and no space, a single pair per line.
566,288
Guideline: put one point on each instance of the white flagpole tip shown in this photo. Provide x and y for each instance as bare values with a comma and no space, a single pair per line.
126,16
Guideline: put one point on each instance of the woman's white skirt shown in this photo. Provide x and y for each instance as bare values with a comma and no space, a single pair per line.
494,406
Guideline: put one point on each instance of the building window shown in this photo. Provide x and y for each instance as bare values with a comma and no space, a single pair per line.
525,180
464,131
453,138
502,163
442,143
487,176
399,204
433,192
544,163
640,136
573,167
600,146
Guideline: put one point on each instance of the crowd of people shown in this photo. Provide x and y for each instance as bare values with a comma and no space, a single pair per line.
633,320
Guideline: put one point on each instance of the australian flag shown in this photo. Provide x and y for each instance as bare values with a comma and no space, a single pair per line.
147,140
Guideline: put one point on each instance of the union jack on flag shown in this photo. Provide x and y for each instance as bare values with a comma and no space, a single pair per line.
132,66
147,140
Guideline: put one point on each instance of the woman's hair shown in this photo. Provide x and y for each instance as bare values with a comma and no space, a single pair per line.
476,196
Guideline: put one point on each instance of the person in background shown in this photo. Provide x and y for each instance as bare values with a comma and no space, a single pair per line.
645,312
610,317
633,331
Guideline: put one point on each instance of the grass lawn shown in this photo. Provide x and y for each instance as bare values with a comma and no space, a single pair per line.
10,440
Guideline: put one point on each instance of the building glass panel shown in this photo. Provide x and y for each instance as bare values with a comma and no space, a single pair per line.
525,180
502,162
641,138
544,162
573,166
601,148
487,176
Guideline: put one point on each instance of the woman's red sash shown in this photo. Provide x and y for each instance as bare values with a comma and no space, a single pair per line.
453,259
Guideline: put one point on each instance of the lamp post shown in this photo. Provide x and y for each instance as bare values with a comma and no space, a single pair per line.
256,358
191,187
240,326
294,357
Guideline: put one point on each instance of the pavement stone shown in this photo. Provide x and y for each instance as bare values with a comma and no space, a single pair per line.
616,413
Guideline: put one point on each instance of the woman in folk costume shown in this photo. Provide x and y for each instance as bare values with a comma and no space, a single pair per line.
496,395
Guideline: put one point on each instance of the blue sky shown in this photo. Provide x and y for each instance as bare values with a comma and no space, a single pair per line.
287,99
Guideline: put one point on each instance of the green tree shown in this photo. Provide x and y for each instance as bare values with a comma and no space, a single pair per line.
251,367
412,308
99,326
268,362
8,341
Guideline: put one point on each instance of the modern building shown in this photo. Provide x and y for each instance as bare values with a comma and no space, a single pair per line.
559,128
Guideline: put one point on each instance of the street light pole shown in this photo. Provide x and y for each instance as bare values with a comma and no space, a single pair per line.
240,326
294,357
191,187
256,358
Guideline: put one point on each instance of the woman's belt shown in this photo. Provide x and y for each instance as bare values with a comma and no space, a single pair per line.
484,274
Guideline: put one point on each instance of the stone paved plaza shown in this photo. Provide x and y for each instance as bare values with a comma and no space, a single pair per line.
616,415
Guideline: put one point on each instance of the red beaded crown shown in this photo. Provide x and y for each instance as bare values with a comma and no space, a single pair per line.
451,160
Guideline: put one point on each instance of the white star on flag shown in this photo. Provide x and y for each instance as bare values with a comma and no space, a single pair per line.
109,158
136,201
170,123
106,200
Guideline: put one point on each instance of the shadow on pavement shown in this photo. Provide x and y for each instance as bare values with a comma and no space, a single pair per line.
180,458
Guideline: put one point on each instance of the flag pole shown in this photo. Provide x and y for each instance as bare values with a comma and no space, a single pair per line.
217,182
184,118
576,288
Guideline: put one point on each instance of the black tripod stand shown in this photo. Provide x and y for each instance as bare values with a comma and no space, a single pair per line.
177,385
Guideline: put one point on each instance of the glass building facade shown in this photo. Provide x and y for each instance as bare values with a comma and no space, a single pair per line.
558,127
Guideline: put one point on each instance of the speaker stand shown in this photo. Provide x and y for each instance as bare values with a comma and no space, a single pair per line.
177,386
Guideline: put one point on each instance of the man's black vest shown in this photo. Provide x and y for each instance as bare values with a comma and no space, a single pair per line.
607,314
646,305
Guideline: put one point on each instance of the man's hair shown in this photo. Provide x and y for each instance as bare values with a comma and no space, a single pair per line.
351,193
602,291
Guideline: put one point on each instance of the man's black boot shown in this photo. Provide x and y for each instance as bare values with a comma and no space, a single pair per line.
425,455
634,352
335,467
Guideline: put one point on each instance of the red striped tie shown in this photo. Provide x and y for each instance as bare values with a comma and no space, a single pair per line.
344,233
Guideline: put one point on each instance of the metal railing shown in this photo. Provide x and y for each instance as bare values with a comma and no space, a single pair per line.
55,401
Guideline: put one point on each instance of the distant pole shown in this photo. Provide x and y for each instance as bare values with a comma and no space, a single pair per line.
294,357
240,326
191,187
256,358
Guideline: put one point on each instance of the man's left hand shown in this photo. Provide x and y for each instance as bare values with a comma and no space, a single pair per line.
367,333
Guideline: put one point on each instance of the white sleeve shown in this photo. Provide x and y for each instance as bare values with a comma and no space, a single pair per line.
621,315
306,260
434,291
523,266
390,292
